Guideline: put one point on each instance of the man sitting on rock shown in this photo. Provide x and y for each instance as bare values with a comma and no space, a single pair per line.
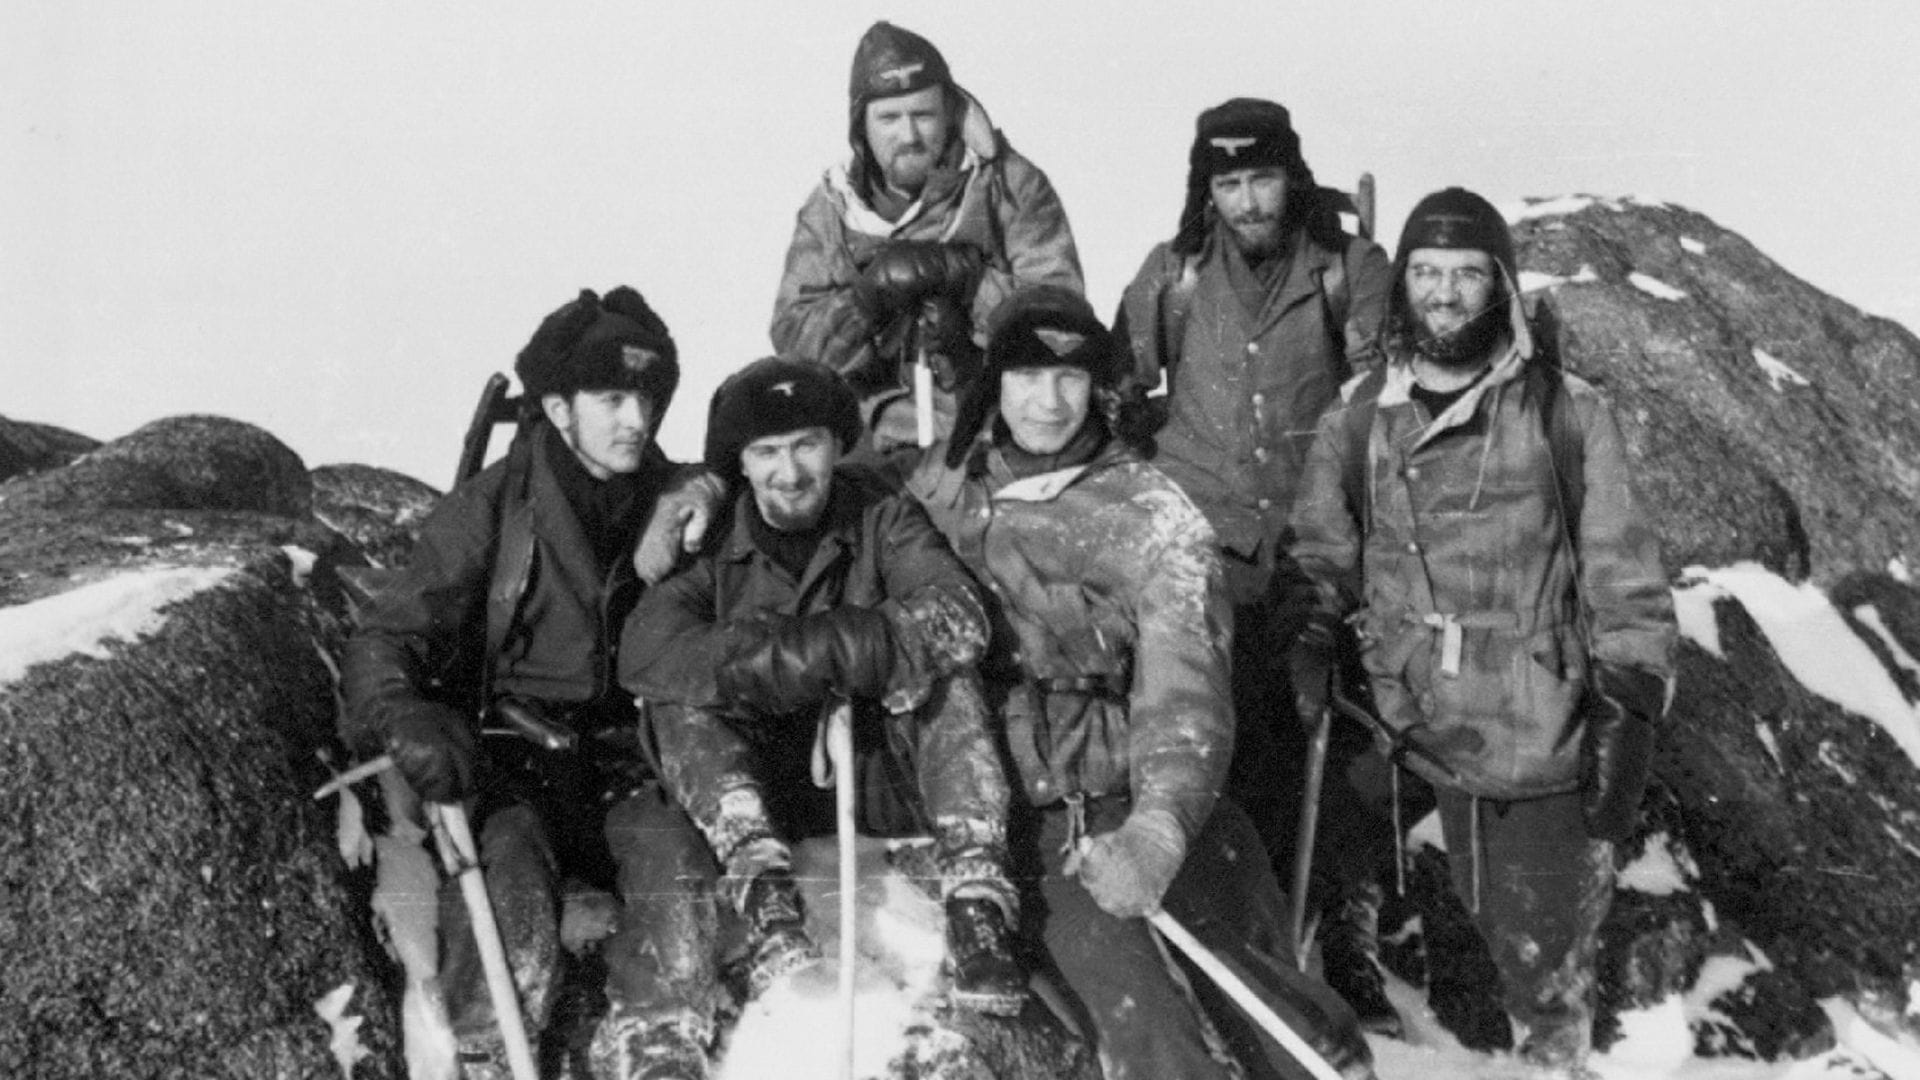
824,586
510,607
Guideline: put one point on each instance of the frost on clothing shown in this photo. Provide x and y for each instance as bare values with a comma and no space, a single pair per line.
1479,621
1248,372
744,775
984,194
1111,629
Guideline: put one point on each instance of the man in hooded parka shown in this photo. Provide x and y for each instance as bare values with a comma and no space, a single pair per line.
905,248
1469,506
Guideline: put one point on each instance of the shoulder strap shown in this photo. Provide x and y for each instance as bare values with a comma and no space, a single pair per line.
512,566
1359,431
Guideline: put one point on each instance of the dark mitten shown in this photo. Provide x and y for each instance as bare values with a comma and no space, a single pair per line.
1616,751
781,664
907,271
946,333
433,747
1310,667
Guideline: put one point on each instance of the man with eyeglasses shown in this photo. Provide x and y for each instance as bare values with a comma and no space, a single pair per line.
1254,314
1472,503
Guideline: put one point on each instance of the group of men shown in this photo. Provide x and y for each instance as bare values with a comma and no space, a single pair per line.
1083,634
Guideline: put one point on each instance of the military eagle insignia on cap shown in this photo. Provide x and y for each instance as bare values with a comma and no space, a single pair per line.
1062,342
784,389
636,359
1232,144
902,75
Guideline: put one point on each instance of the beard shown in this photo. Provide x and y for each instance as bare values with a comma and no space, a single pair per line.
1257,237
1465,346
906,171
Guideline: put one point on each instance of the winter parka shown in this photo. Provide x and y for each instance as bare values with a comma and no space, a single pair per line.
1480,616
1112,626
501,559
1244,391
995,200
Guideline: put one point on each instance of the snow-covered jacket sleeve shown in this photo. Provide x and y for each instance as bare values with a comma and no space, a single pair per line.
1623,581
814,313
933,603
424,629
1036,243
1181,709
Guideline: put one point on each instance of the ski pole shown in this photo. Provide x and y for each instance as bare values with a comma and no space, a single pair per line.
454,837
840,751
1304,837
1243,995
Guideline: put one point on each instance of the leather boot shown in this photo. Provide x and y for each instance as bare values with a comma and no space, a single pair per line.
985,974
1350,959
777,939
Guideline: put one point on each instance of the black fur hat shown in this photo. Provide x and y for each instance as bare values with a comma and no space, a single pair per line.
1038,326
1242,133
595,343
772,396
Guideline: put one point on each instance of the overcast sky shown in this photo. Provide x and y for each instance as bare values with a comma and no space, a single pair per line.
334,219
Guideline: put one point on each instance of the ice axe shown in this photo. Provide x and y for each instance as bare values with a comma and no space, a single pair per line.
836,734
453,837
1243,995
1307,832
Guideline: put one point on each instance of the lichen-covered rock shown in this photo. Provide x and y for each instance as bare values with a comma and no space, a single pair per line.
30,448
378,509
179,463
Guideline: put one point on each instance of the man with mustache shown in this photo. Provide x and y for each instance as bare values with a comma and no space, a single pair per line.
1254,314
1469,506
510,606
905,249
824,585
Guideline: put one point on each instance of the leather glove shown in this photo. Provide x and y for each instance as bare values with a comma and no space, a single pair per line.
1128,870
1616,750
678,526
904,272
946,333
433,747
781,664
1310,668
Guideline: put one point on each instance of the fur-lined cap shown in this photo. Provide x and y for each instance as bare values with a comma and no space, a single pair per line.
595,343
1038,326
773,396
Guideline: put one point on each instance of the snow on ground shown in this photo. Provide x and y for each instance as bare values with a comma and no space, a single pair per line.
1777,371
1661,870
1689,244
1534,281
1812,639
1869,617
124,607
1654,287
1565,204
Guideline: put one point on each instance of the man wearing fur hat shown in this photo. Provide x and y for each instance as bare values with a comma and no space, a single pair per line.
906,248
1473,504
1255,312
1109,670
824,585
510,605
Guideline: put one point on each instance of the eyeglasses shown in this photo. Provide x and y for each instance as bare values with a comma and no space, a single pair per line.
1460,277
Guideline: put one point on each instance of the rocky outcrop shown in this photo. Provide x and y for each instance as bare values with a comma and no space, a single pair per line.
29,448
378,509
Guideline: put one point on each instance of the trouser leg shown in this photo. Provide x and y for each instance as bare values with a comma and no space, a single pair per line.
1543,888
1143,1023
661,956
963,787
519,875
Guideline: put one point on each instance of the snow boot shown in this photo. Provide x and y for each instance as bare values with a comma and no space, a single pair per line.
1350,961
985,974
777,939
629,1047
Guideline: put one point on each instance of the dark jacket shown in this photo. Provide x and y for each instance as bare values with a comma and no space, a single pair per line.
879,551
1244,390
502,558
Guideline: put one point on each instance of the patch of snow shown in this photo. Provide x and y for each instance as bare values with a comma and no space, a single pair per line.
1869,617
1777,372
1831,759
345,1039
1654,287
1565,204
1659,871
302,562
1720,974
1820,650
1688,243
1427,831
1768,740
179,528
1896,1057
125,607
1534,281
1654,1041
1693,610
1898,570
